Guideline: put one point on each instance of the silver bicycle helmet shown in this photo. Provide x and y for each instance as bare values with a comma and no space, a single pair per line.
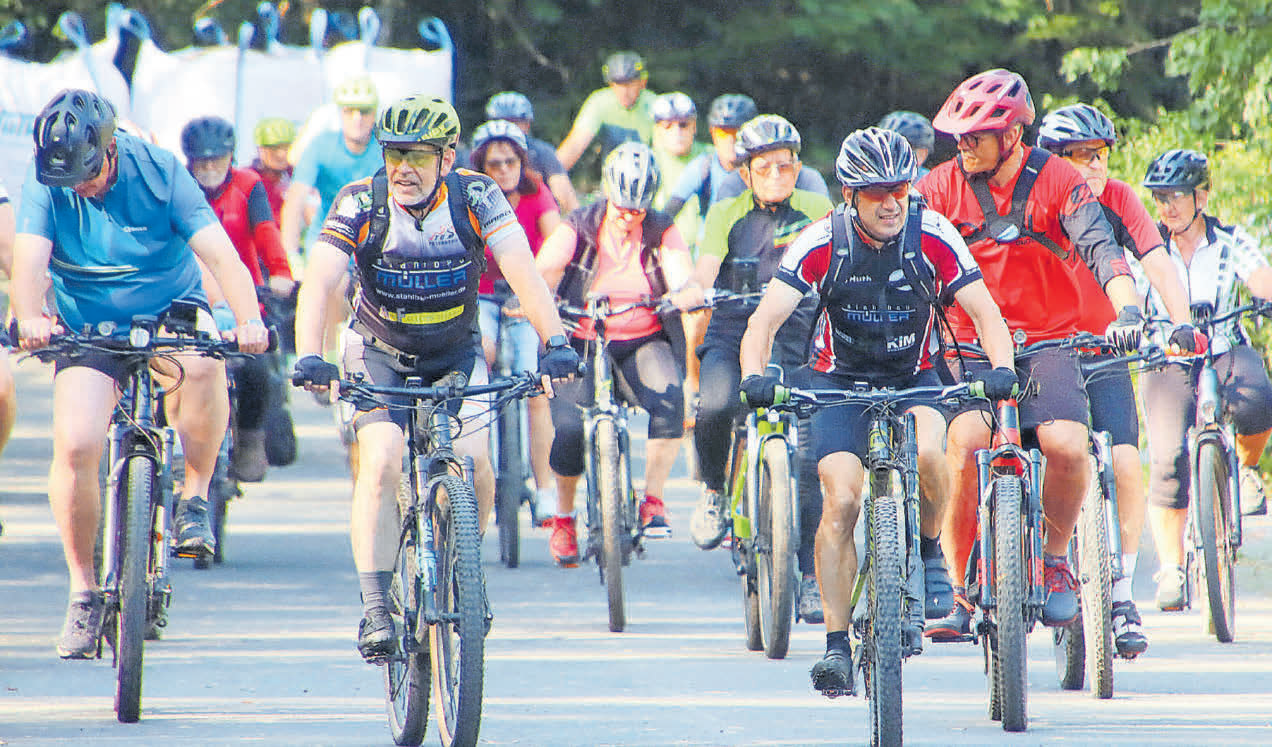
630,176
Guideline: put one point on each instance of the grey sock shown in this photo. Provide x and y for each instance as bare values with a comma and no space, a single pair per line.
375,587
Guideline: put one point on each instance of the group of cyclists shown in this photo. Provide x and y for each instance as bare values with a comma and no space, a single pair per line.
413,244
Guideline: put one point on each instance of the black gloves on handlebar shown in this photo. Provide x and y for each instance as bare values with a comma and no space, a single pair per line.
1127,329
1187,338
759,391
999,383
559,362
312,369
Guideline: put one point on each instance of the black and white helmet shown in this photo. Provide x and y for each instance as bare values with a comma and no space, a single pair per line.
674,107
509,105
875,156
499,129
1075,123
762,134
630,177
913,127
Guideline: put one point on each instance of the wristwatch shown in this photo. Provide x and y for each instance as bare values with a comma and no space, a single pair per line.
556,341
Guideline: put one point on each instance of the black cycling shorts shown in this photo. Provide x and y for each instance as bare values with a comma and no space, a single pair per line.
1112,400
846,427
1051,388
383,368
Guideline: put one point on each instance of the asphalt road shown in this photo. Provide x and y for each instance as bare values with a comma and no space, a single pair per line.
261,649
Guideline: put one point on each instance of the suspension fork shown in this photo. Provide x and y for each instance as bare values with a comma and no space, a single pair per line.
1102,446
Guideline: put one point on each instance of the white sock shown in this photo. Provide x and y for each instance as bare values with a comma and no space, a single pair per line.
1122,587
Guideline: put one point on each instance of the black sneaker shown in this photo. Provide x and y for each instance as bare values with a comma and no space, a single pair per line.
938,588
82,628
809,607
376,637
194,529
1128,631
832,676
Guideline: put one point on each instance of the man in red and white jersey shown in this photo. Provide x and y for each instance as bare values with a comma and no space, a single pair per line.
1029,258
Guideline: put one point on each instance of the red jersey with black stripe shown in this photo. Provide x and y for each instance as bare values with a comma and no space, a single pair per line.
243,208
1135,232
1037,290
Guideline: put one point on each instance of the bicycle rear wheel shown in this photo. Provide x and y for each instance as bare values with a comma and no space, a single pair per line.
133,593
458,641
774,542
510,484
1095,565
1010,657
406,675
605,449
1218,556
884,654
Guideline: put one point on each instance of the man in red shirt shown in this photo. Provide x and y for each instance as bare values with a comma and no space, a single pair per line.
1029,258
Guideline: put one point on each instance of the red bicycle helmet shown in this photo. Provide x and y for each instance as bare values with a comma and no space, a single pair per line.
993,100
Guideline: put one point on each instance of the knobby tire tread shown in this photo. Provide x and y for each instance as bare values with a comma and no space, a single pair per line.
886,595
406,677
610,498
1011,655
1217,556
133,586
1096,591
509,483
776,568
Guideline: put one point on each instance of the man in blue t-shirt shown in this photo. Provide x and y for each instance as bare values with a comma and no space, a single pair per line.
118,224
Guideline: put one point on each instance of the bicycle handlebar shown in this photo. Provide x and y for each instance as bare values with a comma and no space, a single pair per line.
795,398
520,383
139,341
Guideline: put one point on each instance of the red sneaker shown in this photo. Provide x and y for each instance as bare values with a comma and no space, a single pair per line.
653,518
564,543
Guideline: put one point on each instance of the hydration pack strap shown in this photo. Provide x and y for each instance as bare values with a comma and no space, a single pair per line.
1006,228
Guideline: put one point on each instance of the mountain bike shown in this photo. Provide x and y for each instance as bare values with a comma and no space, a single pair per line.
613,526
138,518
890,625
438,595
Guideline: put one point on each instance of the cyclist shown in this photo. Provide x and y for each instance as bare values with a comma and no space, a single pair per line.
713,176
752,231
1084,137
917,130
1030,269
500,152
238,198
118,223
1213,261
620,247
274,137
881,265
619,113
417,269
516,108
329,161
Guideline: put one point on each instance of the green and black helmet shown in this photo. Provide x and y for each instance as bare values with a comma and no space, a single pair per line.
419,120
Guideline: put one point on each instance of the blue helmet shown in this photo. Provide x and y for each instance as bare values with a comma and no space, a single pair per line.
913,126
1178,168
674,106
731,110
509,105
499,129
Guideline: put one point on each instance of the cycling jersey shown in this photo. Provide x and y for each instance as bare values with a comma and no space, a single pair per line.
610,124
528,210
1135,232
418,293
1220,264
127,252
276,184
874,323
1033,277
243,209
543,158
327,165
670,169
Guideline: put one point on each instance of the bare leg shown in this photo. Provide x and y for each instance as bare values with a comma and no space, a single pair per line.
660,456
1064,442
967,433
373,523
841,474
1130,495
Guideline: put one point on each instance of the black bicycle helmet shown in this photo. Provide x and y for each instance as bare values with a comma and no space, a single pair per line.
913,126
510,105
72,134
1075,123
731,110
624,67
630,176
207,137
1176,169
762,134
875,156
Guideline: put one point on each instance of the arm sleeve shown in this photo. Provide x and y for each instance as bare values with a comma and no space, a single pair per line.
306,170
1247,255
35,212
715,232
1140,234
265,233
807,259
349,218
189,208
545,159
948,254
1084,223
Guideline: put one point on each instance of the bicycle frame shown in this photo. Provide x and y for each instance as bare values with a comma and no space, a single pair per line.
1102,450
1212,426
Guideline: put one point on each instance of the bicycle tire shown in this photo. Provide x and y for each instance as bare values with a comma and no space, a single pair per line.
886,592
509,486
774,544
751,614
605,445
458,642
1070,652
134,596
1218,556
406,675
1095,586
1010,654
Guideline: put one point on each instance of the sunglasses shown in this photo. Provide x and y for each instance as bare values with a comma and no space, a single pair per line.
775,169
498,164
1086,155
880,192
630,212
418,159
1167,196
972,140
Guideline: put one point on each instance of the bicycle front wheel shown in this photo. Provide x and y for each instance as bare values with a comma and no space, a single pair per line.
1218,556
406,674
774,544
458,639
605,449
1010,658
886,591
1096,586
133,587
